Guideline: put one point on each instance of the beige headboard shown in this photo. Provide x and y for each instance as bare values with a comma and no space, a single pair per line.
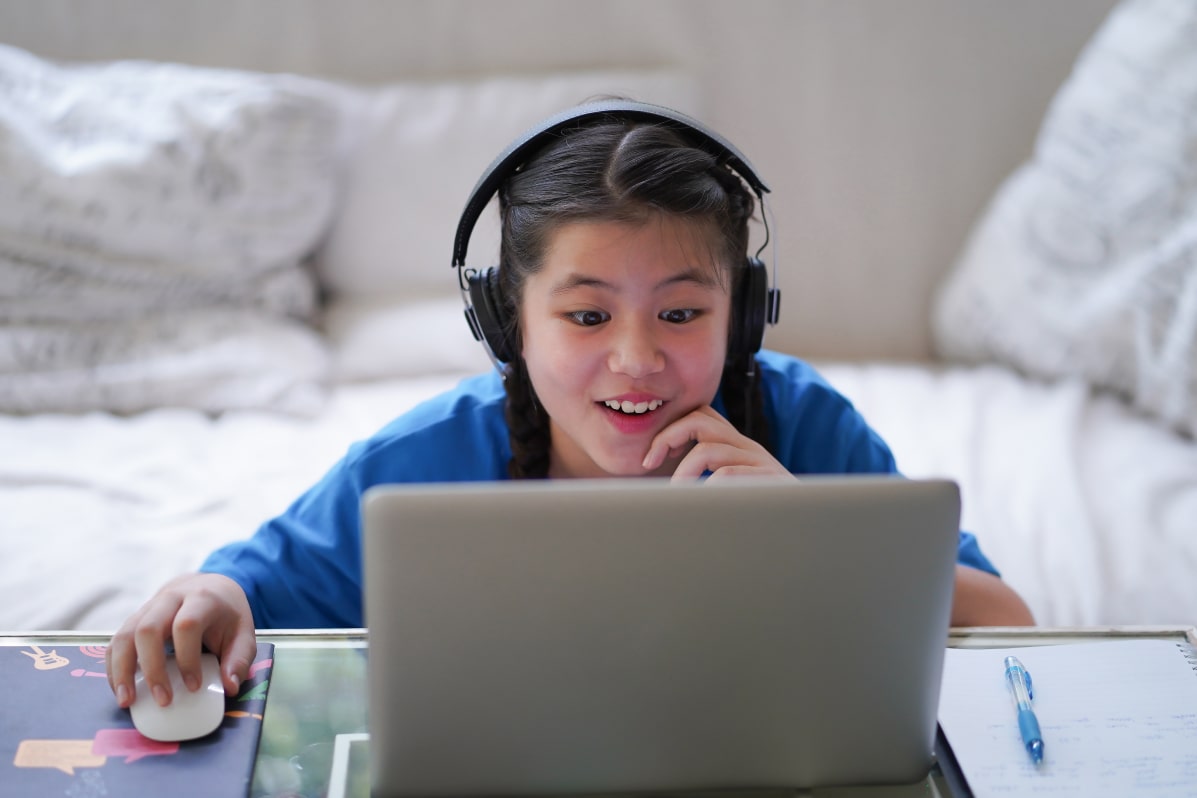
882,127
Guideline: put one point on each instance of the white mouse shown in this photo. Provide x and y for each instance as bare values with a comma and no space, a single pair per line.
189,715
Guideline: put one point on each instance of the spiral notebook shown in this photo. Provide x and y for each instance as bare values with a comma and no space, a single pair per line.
1118,718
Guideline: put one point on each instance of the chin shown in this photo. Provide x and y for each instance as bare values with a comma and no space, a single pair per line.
624,466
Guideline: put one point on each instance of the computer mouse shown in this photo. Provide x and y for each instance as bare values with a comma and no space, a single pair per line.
189,715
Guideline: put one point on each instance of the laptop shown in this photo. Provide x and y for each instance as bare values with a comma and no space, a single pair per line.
633,635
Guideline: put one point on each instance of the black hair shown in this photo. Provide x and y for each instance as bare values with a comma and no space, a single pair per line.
617,171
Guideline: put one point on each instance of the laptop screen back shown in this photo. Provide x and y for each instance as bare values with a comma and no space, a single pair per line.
634,635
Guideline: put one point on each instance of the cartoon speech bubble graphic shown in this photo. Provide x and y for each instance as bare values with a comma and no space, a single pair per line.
130,744
64,755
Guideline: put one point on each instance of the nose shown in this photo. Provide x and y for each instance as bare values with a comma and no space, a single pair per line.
635,352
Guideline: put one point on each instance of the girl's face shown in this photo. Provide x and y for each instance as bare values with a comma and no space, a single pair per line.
624,331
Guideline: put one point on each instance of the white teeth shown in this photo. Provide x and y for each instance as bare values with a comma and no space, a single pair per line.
636,408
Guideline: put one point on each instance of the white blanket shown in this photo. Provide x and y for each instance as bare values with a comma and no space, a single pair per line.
1086,508
99,510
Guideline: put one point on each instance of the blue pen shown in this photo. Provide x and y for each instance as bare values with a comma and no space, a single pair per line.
1019,682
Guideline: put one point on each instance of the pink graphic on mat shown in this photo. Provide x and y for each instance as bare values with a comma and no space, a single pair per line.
258,666
130,744
95,652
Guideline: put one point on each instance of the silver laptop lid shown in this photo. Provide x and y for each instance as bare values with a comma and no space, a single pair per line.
634,635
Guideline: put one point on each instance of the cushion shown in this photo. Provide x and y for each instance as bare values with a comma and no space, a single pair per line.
400,337
151,215
1085,262
210,359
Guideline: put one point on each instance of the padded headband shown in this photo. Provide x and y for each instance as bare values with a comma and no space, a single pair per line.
512,158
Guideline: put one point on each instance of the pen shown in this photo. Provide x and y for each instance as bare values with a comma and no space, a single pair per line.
1019,682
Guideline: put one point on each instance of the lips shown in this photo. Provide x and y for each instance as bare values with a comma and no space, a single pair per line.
632,414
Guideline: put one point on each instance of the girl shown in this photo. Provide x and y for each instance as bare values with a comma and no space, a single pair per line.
617,308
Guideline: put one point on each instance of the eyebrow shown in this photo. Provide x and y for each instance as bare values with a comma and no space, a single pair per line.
697,276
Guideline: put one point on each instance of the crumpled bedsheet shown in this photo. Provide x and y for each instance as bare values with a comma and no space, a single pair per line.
1088,509
98,510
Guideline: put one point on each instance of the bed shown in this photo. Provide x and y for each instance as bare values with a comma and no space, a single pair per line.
224,257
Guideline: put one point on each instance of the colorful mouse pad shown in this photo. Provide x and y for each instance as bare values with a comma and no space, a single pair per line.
61,732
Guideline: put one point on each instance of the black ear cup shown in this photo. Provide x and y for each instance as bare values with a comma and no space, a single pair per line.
750,300
489,314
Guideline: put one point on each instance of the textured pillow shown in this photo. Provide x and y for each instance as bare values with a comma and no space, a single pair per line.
152,215
1085,263
213,359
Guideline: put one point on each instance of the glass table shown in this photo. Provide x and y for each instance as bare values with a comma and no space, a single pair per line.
314,734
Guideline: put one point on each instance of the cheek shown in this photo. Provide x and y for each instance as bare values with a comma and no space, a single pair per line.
701,358
551,357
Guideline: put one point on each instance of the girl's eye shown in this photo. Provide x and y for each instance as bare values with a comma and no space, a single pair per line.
588,318
679,315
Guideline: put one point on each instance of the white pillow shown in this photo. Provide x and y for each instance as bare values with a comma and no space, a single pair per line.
212,360
140,202
400,338
1085,263
419,150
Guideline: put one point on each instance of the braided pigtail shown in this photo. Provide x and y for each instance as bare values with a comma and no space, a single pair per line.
744,400
527,424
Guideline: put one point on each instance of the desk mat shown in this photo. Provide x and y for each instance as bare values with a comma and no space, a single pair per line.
61,733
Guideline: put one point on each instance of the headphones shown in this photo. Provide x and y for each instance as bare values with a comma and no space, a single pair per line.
754,303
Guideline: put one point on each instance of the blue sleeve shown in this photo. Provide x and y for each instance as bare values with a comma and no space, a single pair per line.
968,552
816,430
303,569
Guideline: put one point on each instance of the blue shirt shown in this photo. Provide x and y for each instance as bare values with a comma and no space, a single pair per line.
303,568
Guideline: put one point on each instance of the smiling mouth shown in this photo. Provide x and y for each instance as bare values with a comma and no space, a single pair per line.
634,408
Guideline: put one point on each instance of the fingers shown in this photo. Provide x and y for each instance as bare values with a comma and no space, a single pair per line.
712,458
150,636
141,639
187,633
676,438
121,660
236,657
708,444
191,612
720,460
233,639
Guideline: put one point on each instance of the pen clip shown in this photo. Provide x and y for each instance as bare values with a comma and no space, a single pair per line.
1026,677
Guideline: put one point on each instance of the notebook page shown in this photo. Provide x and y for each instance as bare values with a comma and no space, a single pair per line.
1118,718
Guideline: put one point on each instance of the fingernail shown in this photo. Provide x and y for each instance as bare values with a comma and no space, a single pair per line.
122,695
236,682
160,695
192,682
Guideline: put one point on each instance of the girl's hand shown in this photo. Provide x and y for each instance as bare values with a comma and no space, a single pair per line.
706,441
192,611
